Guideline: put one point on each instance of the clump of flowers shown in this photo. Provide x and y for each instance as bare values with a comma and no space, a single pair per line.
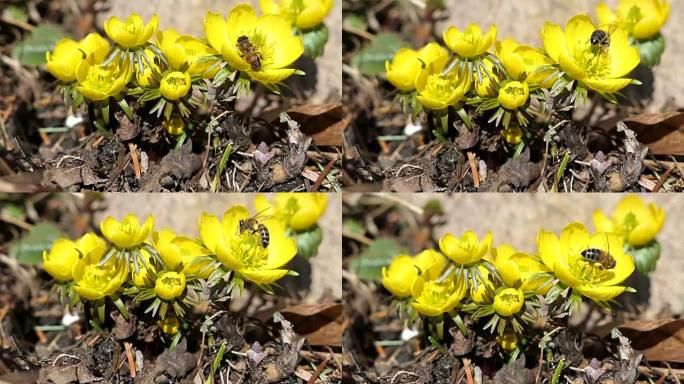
510,84
160,273
168,74
471,283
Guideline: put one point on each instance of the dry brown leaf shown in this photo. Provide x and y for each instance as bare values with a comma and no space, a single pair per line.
658,340
323,122
662,132
321,324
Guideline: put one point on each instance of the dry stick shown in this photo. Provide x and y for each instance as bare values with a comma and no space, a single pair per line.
136,163
473,169
468,371
662,180
321,177
129,357
318,371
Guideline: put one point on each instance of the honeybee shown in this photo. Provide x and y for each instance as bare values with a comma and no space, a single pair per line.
600,38
599,257
249,52
254,226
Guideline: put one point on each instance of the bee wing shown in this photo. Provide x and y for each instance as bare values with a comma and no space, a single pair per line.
609,28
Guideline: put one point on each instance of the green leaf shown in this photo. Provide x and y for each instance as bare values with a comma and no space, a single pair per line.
368,265
29,249
354,226
15,12
32,50
651,50
13,211
371,59
314,41
308,242
646,257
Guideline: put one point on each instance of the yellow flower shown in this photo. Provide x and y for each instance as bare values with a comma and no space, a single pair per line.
96,82
94,281
176,250
564,257
128,233
270,35
600,70
132,32
642,19
187,50
432,298
404,269
509,301
482,294
174,126
406,64
522,63
487,87
521,270
298,211
303,14
175,85
508,342
143,276
147,78
633,220
69,54
514,94
170,325
468,249
437,91
512,135
92,247
471,42
242,251
60,261
169,285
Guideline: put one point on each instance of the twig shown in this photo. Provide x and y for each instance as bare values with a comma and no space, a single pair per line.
414,208
318,371
468,371
134,158
322,176
129,357
662,180
473,169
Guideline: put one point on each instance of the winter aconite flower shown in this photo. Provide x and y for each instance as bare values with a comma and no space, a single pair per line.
642,19
170,325
564,256
183,50
93,281
521,270
269,36
243,251
303,14
489,82
514,94
298,211
633,220
597,68
523,63
169,285
175,85
97,82
174,126
68,54
131,32
142,276
470,42
467,249
151,73
430,297
60,261
404,269
509,341
127,233
407,63
509,301
437,91
180,251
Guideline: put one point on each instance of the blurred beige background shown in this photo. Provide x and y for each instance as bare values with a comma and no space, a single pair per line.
516,220
180,212
187,16
523,20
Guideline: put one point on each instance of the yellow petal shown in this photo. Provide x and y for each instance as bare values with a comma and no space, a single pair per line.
554,40
569,65
606,85
578,32
549,248
216,30
150,29
624,58
281,248
601,293
242,20
573,240
263,276
210,231
286,47
565,274
605,14
602,222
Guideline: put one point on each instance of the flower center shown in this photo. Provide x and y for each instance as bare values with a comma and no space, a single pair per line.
96,277
100,78
434,294
131,27
171,281
593,60
514,91
440,86
589,271
247,248
628,223
472,38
